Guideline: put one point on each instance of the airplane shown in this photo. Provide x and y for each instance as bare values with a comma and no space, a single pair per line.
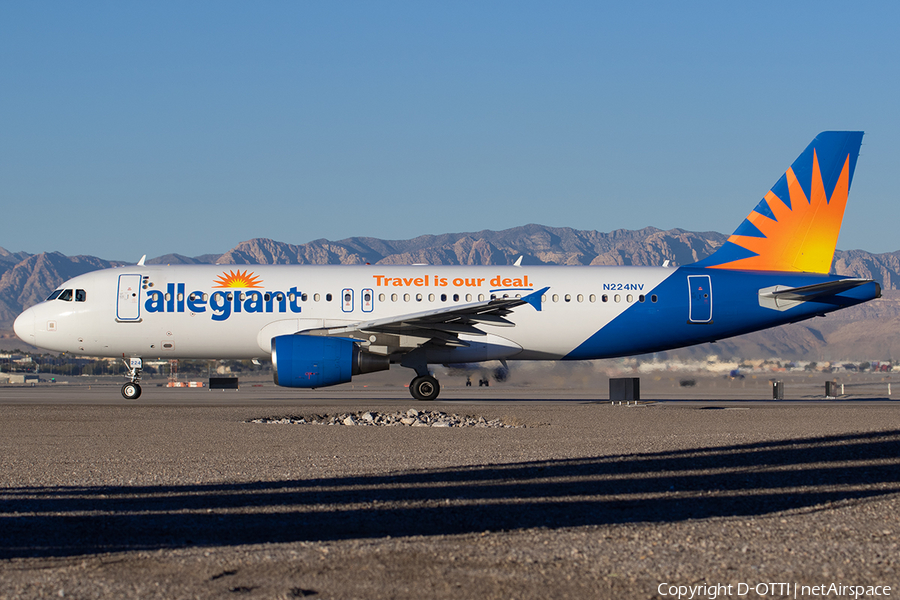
322,325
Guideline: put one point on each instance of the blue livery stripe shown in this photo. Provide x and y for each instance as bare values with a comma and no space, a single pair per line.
645,327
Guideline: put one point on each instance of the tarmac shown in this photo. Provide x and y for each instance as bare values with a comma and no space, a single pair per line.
180,495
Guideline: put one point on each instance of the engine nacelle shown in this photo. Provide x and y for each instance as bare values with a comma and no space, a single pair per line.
312,361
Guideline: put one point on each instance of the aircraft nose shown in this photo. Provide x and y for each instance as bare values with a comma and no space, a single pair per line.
24,326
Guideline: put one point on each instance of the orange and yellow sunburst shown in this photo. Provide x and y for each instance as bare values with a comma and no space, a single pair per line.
804,235
238,279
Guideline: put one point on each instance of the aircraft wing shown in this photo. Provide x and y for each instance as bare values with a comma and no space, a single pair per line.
443,325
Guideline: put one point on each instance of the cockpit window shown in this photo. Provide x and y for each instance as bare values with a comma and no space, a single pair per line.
80,295
65,295
54,295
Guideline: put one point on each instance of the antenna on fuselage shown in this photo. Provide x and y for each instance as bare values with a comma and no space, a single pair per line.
141,262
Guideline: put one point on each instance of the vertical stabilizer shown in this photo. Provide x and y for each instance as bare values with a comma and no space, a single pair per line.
795,226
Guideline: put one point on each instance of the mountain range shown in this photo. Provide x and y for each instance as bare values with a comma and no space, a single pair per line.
866,331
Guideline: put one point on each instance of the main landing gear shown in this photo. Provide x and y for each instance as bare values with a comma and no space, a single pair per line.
424,387
132,390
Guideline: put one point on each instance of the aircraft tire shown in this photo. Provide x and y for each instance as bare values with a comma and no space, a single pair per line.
131,391
424,388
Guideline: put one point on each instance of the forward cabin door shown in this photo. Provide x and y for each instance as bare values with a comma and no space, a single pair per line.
128,307
700,300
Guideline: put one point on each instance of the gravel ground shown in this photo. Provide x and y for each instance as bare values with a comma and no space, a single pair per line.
182,496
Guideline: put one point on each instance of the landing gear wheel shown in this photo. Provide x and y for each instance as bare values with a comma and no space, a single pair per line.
424,388
131,391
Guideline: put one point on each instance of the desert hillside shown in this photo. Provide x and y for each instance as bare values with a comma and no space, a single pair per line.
865,332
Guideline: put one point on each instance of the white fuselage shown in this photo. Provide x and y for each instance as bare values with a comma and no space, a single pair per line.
189,312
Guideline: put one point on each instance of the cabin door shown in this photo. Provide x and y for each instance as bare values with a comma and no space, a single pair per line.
700,300
128,307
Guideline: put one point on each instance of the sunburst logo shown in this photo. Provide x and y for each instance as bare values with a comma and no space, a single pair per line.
795,226
803,233
238,279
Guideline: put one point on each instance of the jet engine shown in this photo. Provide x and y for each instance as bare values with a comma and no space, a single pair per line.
311,361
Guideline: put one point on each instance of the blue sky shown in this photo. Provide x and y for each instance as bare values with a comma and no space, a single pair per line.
147,128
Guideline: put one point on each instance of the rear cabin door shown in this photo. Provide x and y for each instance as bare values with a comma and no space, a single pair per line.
700,300
128,307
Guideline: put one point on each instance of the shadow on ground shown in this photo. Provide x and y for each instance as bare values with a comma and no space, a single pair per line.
740,480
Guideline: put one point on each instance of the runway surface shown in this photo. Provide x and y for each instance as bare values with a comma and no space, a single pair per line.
178,495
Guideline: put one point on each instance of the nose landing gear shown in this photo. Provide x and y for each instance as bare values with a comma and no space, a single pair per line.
132,390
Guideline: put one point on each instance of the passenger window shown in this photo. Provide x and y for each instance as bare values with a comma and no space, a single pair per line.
593,298
406,297
481,297
641,298
394,297
54,295
317,297
456,297
605,298
653,298
568,297
80,295
431,297
581,297
556,297
618,297
303,297
267,297
418,297
66,295
443,297
327,297
381,297
468,297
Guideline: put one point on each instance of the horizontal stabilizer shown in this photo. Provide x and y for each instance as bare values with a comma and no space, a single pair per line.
811,292
782,298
